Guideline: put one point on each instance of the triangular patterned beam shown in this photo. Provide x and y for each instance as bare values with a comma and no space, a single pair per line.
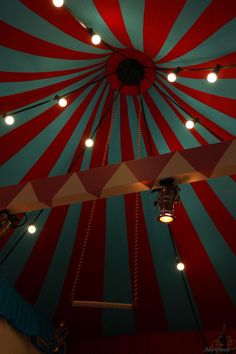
185,166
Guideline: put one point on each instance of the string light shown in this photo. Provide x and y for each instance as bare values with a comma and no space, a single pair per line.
62,102
189,124
58,3
172,76
32,229
180,265
9,120
89,142
96,39
213,76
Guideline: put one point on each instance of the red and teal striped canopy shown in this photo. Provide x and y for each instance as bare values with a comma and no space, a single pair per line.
114,249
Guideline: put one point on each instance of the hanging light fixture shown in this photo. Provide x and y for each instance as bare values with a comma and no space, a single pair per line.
168,196
213,76
172,76
10,221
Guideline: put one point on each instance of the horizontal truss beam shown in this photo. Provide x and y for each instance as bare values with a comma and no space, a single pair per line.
185,166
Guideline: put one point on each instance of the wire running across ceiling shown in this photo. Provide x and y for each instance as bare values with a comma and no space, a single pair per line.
117,95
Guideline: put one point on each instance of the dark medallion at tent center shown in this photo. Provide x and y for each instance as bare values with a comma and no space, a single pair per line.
130,72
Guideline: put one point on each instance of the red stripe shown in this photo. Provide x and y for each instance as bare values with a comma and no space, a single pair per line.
32,277
162,124
221,217
206,122
233,178
200,32
213,302
24,42
149,314
112,16
60,18
48,159
150,145
29,76
159,17
223,104
12,102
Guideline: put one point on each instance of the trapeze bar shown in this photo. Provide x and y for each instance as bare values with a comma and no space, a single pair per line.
104,305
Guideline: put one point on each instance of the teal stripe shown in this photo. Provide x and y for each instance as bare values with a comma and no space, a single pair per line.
188,16
157,136
221,256
133,122
222,87
174,297
50,293
224,121
184,136
63,163
30,153
133,16
16,262
116,267
225,189
19,16
15,61
114,153
88,14
218,45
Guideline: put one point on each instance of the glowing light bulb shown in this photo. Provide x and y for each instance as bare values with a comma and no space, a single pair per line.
62,102
212,77
96,39
9,120
32,229
171,77
180,266
166,219
189,124
89,142
58,3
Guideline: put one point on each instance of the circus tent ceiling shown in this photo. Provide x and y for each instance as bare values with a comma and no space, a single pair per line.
114,250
